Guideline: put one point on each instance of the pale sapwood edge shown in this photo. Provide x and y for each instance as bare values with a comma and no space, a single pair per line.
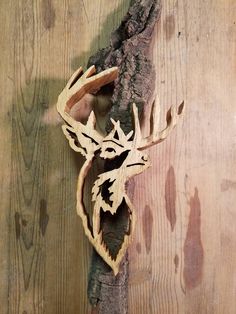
110,146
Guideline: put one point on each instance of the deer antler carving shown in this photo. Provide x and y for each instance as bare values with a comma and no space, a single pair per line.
108,191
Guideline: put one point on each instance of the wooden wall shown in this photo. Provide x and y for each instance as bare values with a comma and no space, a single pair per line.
183,256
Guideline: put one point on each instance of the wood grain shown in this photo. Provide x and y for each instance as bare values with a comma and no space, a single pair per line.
187,199
44,255
190,265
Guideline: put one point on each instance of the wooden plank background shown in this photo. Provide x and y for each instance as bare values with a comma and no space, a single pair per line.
183,256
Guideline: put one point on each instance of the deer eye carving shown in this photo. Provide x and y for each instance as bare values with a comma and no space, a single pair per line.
110,150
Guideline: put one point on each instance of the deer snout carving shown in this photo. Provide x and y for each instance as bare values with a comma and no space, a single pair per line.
123,155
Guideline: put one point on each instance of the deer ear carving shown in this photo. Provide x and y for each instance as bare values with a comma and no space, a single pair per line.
73,139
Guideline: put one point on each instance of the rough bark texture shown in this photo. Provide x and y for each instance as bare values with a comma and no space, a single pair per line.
128,50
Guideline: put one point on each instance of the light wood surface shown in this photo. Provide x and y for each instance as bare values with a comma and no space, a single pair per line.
184,254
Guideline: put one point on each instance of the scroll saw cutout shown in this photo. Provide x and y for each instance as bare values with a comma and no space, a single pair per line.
108,191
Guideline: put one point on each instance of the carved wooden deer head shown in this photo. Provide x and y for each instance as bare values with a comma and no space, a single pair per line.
125,152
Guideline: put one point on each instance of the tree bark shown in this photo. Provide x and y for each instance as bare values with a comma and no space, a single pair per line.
129,49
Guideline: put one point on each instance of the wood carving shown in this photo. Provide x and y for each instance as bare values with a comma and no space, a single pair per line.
108,192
